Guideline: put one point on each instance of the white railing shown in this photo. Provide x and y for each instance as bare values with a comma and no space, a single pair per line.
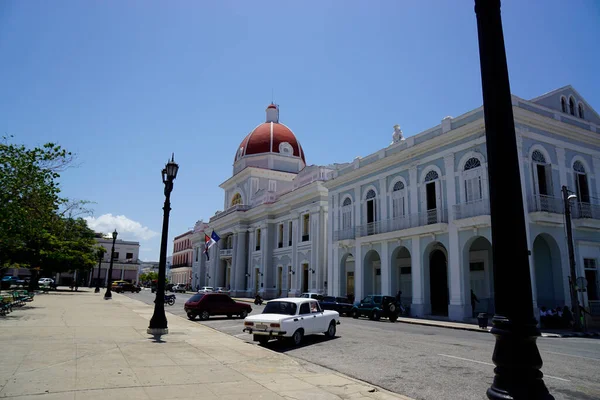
428,217
550,204
399,223
472,209
586,210
226,252
232,209
434,216
343,234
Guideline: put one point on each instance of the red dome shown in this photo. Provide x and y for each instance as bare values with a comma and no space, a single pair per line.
266,138
272,106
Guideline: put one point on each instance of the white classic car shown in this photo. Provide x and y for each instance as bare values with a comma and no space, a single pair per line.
291,318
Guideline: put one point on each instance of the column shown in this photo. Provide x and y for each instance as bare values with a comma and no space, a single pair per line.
251,248
386,281
122,271
357,206
596,167
265,244
383,203
295,266
238,270
562,167
358,272
418,288
299,271
332,282
314,252
413,189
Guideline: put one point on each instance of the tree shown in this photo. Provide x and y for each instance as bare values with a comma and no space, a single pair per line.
37,226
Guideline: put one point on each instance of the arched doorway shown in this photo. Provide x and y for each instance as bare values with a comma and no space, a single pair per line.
438,282
479,270
548,272
347,275
401,274
372,273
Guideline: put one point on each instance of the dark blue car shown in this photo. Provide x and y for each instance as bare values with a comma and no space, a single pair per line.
340,304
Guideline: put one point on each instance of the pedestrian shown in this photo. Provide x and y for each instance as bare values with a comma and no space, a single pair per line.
474,300
399,296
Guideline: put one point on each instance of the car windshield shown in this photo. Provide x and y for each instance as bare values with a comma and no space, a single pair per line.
280,307
377,299
196,297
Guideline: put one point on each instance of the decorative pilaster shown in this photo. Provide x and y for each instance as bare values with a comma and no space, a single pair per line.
238,270
418,287
383,203
358,272
413,188
386,273
596,167
562,166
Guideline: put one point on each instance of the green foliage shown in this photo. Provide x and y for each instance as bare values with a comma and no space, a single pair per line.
37,226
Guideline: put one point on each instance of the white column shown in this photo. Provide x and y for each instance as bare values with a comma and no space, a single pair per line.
562,167
314,253
238,270
332,286
357,206
413,188
295,266
386,281
336,272
383,200
358,272
251,248
418,288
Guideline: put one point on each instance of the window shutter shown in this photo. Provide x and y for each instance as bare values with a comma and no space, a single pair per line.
550,189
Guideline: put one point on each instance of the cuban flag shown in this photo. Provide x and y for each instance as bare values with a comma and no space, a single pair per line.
209,241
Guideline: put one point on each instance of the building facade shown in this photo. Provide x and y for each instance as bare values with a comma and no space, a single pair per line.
414,217
273,228
181,267
125,263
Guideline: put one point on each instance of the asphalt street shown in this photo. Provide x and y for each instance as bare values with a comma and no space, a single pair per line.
426,362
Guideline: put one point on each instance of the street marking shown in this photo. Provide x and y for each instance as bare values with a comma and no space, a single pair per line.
572,355
484,363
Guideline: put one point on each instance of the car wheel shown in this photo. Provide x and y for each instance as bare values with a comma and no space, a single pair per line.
393,317
229,315
391,307
204,315
243,314
297,337
331,330
355,314
375,316
191,316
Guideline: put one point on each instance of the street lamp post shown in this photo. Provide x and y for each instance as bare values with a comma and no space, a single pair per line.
516,356
100,255
574,301
158,322
108,294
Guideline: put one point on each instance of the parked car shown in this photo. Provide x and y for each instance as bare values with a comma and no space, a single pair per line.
206,289
291,318
376,307
340,304
206,305
9,280
126,287
178,288
45,281
222,290
310,295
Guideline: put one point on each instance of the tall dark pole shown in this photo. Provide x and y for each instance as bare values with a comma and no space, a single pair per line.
108,294
574,301
100,255
516,356
158,322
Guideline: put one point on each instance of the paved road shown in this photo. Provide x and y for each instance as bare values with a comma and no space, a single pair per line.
428,362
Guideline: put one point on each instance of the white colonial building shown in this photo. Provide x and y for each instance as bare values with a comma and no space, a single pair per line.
274,225
180,270
414,216
125,262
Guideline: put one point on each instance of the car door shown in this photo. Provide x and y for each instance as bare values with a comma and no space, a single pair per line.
366,304
321,323
306,319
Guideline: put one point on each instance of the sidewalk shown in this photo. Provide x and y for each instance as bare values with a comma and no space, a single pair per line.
75,345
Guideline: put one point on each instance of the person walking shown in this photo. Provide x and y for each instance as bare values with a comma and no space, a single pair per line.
474,300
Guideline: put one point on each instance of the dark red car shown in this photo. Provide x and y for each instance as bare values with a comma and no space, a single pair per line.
206,304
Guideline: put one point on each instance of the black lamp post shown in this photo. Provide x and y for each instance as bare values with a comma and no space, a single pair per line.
516,356
100,255
567,197
158,322
108,294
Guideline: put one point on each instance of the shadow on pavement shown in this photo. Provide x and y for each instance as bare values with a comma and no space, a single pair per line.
282,346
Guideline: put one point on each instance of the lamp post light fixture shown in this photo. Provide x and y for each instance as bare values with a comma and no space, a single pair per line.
108,294
100,254
516,356
158,322
567,197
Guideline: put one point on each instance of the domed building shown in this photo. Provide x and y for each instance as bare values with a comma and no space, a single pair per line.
272,227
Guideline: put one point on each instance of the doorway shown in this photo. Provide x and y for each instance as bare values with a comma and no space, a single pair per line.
304,278
350,282
438,283
431,203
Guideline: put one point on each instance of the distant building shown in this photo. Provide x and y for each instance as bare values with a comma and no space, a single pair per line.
181,267
125,263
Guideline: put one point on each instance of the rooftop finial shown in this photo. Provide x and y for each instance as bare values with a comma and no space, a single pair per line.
172,157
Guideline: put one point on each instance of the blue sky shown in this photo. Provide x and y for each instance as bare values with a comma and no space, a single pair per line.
124,83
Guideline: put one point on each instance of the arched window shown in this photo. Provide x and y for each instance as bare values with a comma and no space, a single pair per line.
398,200
237,199
581,182
347,213
472,176
431,176
572,105
542,175
370,211
580,109
563,104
